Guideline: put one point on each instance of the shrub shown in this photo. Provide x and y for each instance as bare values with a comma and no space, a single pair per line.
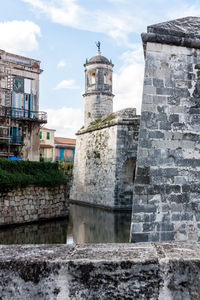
19,174
67,168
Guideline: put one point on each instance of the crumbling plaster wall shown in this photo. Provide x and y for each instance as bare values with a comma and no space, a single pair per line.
14,65
31,141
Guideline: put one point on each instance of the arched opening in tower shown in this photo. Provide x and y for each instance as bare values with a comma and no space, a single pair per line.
92,77
107,78
127,180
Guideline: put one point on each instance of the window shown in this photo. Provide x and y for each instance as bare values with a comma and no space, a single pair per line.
48,135
16,134
92,77
17,100
27,86
107,78
40,135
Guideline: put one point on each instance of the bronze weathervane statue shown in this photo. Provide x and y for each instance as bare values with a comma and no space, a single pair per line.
98,44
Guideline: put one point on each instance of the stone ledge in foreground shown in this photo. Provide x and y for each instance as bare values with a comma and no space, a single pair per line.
104,271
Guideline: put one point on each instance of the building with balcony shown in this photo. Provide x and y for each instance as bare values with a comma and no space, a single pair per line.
64,149
20,118
47,146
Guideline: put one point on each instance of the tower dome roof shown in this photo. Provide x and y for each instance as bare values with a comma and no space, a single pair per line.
99,59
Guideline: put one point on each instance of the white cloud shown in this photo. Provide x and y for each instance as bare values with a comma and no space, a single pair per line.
67,121
118,1
19,36
61,64
67,84
128,81
116,23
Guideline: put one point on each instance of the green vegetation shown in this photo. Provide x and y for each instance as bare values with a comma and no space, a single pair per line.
97,154
20,174
95,122
67,168
99,122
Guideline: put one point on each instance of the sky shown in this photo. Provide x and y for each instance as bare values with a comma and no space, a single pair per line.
62,34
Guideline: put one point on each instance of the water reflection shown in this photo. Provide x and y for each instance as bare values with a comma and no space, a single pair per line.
85,225
93,225
51,232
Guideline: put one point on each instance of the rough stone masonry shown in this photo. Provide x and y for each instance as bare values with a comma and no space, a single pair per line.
166,202
33,203
146,271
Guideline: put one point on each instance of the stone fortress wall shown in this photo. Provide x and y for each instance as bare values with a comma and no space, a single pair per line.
94,165
166,198
32,204
126,155
105,153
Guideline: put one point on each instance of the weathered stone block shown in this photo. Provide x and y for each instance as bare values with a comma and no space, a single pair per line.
158,271
172,132
139,237
19,209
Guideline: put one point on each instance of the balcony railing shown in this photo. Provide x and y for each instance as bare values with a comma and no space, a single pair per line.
16,139
20,113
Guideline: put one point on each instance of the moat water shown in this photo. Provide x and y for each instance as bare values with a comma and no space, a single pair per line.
84,225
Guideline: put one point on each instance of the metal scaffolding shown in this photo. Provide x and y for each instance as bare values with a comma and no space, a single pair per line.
6,85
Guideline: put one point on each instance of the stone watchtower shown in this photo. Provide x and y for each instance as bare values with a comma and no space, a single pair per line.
98,88
106,150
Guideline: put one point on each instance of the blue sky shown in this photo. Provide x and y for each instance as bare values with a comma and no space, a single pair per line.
62,34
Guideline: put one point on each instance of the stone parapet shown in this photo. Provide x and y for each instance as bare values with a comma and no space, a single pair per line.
98,126
183,32
171,40
107,271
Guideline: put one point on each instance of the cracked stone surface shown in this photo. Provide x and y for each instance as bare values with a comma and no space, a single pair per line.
107,271
185,27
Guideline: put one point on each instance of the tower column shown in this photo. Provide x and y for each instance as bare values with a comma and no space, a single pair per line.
98,95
